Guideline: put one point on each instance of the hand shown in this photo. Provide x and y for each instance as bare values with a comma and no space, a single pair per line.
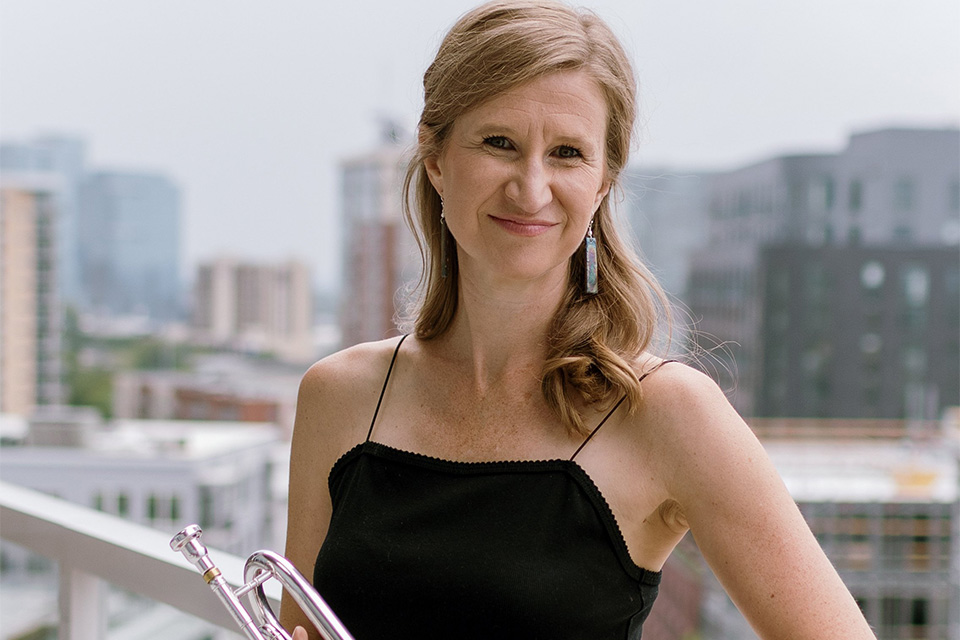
299,633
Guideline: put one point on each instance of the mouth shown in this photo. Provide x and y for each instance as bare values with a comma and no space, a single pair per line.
526,228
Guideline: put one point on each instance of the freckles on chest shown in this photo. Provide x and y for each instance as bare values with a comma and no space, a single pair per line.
470,428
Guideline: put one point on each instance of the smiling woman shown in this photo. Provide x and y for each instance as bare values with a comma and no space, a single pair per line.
513,481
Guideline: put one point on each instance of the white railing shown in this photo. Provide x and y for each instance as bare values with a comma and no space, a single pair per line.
91,547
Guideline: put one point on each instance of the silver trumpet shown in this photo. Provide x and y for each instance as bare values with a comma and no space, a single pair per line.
258,621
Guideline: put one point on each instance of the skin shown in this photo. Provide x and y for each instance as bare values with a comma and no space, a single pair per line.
521,176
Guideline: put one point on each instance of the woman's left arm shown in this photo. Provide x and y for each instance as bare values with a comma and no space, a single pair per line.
747,526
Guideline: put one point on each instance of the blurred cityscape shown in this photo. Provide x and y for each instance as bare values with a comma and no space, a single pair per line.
822,291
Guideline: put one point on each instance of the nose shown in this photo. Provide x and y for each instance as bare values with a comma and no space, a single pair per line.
529,188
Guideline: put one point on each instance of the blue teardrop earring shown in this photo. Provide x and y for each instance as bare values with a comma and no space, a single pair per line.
590,280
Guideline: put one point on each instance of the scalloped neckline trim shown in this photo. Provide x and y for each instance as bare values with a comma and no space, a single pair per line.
458,467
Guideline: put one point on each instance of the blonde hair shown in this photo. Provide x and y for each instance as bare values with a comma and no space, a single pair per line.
595,340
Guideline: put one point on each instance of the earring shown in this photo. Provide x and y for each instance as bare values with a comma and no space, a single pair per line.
590,283
444,258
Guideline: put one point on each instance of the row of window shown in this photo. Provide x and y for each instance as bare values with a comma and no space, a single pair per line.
820,195
158,507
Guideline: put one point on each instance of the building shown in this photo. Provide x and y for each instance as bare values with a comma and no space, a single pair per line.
129,244
59,160
160,473
225,387
381,263
859,331
30,365
891,188
259,308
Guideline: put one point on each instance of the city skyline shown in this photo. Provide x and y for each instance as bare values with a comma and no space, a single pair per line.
251,110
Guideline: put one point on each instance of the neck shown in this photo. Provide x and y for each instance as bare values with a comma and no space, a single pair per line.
501,331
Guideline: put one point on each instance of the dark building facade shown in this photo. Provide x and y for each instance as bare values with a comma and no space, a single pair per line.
859,331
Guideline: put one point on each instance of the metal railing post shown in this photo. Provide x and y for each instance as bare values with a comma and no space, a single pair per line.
82,616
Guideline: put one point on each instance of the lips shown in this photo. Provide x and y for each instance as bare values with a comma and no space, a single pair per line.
526,228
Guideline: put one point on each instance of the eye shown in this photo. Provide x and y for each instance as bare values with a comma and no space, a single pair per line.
568,152
497,142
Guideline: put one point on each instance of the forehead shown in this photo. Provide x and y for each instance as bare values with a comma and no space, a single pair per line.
565,102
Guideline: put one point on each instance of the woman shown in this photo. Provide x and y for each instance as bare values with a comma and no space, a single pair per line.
530,465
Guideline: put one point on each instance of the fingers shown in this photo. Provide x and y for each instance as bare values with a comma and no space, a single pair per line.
299,633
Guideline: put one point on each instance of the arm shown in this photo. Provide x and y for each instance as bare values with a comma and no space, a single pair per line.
743,519
308,507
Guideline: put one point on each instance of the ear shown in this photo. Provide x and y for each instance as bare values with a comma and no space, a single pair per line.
601,194
432,163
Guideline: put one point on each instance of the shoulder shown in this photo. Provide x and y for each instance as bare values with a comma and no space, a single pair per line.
338,393
361,364
687,418
678,392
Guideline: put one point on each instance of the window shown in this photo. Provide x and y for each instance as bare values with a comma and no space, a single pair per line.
206,507
916,286
918,613
855,201
918,555
903,194
890,612
871,343
820,194
872,275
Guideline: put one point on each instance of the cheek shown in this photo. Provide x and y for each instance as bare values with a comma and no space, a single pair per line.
583,199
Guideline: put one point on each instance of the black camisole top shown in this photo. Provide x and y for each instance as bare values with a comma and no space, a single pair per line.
420,547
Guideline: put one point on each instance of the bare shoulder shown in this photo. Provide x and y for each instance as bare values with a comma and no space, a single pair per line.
339,392
681,397
686,418
360,364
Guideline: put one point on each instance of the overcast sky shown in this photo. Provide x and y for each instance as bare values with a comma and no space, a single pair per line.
249,105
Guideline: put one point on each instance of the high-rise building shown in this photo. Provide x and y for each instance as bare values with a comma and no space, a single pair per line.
262,308
380,258
129,244
30,367
891,188
60,160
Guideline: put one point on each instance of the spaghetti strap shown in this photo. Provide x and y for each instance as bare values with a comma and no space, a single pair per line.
384,389
611,412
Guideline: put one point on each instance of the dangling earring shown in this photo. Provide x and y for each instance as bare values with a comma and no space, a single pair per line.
590,283
444,258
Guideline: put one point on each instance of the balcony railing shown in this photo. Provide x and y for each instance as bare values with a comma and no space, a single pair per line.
91,547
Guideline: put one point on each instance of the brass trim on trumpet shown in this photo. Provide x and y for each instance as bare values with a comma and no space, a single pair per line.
210,575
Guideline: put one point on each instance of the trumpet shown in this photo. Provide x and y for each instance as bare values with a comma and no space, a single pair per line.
258,621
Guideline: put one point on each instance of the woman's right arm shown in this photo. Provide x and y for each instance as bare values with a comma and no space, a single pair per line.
308,507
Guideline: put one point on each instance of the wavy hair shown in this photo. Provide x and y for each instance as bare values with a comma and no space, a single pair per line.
595,340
